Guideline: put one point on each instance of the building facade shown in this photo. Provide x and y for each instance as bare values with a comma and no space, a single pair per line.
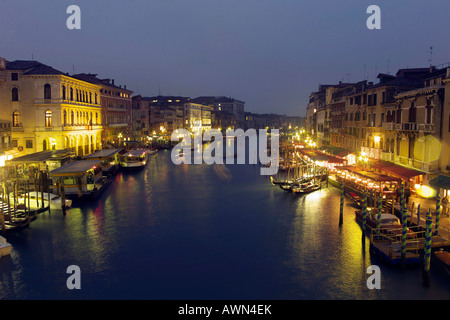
50,110
116,109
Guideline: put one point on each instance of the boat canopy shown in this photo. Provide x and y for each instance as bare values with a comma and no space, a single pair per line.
76,168
102,154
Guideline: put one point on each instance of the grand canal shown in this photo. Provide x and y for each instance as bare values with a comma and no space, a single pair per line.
203,232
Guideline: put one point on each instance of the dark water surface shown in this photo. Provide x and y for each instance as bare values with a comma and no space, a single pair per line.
203,232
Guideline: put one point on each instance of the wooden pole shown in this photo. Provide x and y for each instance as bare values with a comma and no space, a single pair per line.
29,208
42,189
341,209
2,219
63,200
48,196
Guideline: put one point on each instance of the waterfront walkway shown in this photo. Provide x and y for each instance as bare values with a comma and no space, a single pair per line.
426,204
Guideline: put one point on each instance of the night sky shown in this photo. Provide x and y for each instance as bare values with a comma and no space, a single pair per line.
270,54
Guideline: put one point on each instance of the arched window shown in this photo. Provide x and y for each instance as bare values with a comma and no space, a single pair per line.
96,118
14,94
72,118
65,117
64,92
48,118
16,119
71,94
95,98
47,91
44,145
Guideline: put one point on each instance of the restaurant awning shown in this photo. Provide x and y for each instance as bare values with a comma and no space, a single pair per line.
397,170
441,181
376,177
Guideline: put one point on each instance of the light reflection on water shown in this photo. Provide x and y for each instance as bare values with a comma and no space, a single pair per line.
203,232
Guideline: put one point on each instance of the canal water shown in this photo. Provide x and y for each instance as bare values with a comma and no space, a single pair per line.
204,232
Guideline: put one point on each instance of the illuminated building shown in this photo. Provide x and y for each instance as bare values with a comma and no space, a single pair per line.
50,110
115,104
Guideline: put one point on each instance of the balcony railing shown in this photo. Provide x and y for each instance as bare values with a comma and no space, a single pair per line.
427,127
62,101
388,126
67,128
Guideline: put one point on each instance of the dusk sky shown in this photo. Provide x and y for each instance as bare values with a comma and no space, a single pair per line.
270,54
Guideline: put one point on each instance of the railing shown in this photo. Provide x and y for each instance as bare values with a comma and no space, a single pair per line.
428,127
62,101
388,126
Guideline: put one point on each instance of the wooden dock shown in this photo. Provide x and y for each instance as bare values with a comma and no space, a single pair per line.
388,246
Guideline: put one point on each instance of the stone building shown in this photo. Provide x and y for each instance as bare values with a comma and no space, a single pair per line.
48,109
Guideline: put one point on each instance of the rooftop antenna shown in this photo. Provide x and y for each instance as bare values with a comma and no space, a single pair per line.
32,57
431,54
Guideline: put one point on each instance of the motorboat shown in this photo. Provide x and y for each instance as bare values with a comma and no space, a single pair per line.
136,158
35,200
55,200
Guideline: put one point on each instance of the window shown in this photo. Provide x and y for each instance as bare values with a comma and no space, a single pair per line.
65,117
64,92
29,144
14,94
14,76
72,118
47,91
71,94
16,119
48,118
412,112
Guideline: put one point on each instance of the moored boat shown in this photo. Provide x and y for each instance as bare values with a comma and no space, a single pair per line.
306,188
134,159
444,259
5,247
389,223
36,200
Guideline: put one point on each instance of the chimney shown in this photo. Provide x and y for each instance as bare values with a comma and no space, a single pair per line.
125,87
112,81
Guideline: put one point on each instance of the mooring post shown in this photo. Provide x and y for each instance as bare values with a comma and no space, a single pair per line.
63,200
341,208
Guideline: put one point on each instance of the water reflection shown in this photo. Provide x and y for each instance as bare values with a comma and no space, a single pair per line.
203,232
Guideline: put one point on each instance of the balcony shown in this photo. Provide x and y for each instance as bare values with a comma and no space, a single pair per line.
17,129
427,127
388,126
61,101
410,126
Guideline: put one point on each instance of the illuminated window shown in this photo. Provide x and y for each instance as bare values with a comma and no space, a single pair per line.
48,118
16,119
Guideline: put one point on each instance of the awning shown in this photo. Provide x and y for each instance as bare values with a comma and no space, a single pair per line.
441,181
397,170
76,167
